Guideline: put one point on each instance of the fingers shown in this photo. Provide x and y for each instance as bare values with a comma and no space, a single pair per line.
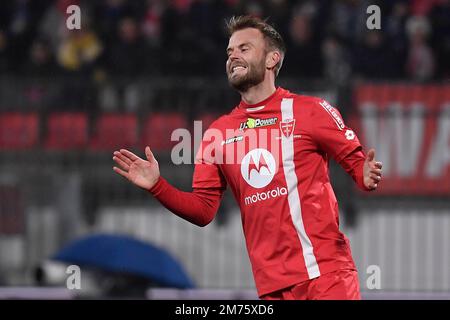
149,154
378,164
121,172
122,157
121,163
378,172
375,178
128,154
375,175
373,185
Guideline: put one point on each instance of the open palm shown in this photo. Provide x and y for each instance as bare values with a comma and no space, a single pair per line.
143,173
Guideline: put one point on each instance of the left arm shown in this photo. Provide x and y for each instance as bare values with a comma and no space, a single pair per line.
364,170
341,143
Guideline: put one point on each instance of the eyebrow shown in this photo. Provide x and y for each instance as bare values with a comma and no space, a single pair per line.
239,46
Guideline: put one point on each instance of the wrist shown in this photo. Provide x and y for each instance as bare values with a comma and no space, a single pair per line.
156,185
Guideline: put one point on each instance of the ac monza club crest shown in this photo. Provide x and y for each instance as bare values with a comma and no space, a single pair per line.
287,127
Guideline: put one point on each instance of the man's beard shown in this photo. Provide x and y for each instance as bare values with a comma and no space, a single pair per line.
254,76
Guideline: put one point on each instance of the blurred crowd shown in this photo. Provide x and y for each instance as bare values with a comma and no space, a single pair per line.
325,38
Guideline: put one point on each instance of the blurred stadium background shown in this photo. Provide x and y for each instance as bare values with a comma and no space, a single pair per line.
139,69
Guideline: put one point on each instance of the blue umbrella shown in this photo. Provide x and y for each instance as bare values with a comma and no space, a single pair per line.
118,253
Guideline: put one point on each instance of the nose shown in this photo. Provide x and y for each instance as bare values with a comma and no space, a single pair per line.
233,55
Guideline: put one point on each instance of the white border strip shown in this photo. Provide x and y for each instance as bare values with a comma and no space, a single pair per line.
293,195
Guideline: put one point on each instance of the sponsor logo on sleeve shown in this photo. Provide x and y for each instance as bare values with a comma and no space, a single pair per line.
349,134
332,112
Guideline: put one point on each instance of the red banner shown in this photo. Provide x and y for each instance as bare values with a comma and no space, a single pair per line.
409,127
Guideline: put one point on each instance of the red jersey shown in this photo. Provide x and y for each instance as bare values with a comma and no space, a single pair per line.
274,156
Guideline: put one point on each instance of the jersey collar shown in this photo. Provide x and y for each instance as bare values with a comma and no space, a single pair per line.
260,105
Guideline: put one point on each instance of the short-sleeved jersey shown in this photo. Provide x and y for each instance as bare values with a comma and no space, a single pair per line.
274,156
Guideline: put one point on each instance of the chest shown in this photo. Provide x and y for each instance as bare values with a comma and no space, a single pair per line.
259,147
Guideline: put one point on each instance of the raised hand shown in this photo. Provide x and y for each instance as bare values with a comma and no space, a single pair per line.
143,173
372,171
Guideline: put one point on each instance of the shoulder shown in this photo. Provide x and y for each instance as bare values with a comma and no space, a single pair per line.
311,102
315,106
319,110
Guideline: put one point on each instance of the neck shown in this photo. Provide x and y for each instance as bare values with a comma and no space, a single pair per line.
259,92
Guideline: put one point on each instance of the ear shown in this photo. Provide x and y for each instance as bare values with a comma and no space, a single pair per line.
272,59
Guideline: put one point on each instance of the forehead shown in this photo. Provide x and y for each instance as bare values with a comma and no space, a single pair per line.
248,35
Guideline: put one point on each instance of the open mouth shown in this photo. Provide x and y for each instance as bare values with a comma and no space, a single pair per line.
238,69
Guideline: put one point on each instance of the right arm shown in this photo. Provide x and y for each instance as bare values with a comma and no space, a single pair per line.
198,207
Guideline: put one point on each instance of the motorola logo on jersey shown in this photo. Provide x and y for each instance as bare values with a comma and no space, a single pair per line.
258,168
262,196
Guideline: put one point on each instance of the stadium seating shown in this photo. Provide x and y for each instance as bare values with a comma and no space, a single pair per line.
207,119
18,131
68,130
11,210
158,128
114,131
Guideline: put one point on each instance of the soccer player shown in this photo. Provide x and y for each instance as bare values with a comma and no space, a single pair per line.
272,150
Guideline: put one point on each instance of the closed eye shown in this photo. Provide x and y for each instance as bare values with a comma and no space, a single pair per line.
243,48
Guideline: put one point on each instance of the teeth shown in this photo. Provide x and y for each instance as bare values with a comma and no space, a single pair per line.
238,67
